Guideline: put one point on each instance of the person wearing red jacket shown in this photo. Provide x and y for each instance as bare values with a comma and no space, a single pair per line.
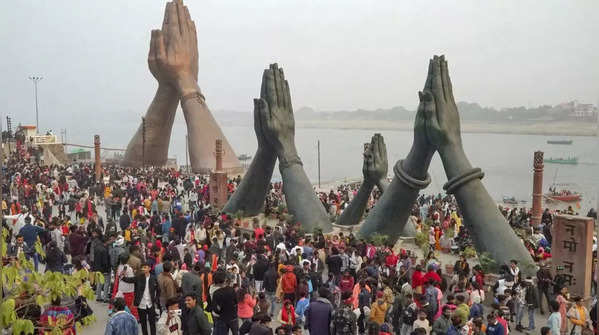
432,274
288,283
391,260
346,284
417,279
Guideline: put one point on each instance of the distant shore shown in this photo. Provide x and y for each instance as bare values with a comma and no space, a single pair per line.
527,128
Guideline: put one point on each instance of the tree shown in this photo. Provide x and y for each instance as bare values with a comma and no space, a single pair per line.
24,290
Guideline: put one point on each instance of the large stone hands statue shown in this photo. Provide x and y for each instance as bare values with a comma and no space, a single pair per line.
374,171
180,58
391,212
375,165
161,114
489,229
173,61
249,196
278,125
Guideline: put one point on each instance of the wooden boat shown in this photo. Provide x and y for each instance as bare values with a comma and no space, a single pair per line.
565,142
569,160
564,197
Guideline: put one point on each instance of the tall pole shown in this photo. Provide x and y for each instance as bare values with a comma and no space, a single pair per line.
9,132
98,166
318,163
35,80
537,189
219,155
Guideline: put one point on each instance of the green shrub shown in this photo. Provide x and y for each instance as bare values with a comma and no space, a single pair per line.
39,289
378,239
487,263
469,252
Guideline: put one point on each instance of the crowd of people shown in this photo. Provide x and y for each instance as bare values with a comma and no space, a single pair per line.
174,265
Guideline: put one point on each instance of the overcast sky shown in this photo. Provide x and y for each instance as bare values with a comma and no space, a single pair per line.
337,55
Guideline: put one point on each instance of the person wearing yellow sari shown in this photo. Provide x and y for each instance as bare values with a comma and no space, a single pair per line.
579,317
438,234
107,192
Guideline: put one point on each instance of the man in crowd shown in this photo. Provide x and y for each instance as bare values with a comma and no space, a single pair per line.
146,299
169,322
224,306
196,322
121,322
319,314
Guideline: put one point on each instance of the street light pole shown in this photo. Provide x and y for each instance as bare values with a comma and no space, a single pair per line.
35,80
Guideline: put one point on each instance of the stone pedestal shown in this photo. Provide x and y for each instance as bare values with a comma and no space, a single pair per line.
572,255
537,189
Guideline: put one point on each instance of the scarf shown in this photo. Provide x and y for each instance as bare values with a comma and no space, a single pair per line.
285,317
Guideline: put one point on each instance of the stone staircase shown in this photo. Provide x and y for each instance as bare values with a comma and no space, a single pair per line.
54,154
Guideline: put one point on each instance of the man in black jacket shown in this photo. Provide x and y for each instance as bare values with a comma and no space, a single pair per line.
101,264
224,306
196,321
146,299
110,228
270,286
544,280
532,301
124,221
260,268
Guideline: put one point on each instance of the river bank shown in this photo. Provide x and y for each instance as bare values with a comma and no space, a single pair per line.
515,128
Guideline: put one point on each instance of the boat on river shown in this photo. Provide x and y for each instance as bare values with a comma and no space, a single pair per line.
569,160
565,142
563,195
574,197
510,200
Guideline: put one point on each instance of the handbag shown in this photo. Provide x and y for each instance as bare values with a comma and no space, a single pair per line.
586,331
245,327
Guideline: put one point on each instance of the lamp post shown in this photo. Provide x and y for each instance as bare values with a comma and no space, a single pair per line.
35,80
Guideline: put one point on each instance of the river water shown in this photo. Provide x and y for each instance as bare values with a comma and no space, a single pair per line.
506,159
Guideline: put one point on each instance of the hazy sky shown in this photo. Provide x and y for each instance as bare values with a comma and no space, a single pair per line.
337,55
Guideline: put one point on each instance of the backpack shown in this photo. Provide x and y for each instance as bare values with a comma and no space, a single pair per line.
409,315
287,281
431,298
343,322
364,298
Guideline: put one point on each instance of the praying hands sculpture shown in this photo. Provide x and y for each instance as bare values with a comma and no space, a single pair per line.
437,128
275,129
173,61
489,230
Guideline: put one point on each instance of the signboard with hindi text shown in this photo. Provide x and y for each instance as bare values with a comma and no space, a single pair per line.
571,250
